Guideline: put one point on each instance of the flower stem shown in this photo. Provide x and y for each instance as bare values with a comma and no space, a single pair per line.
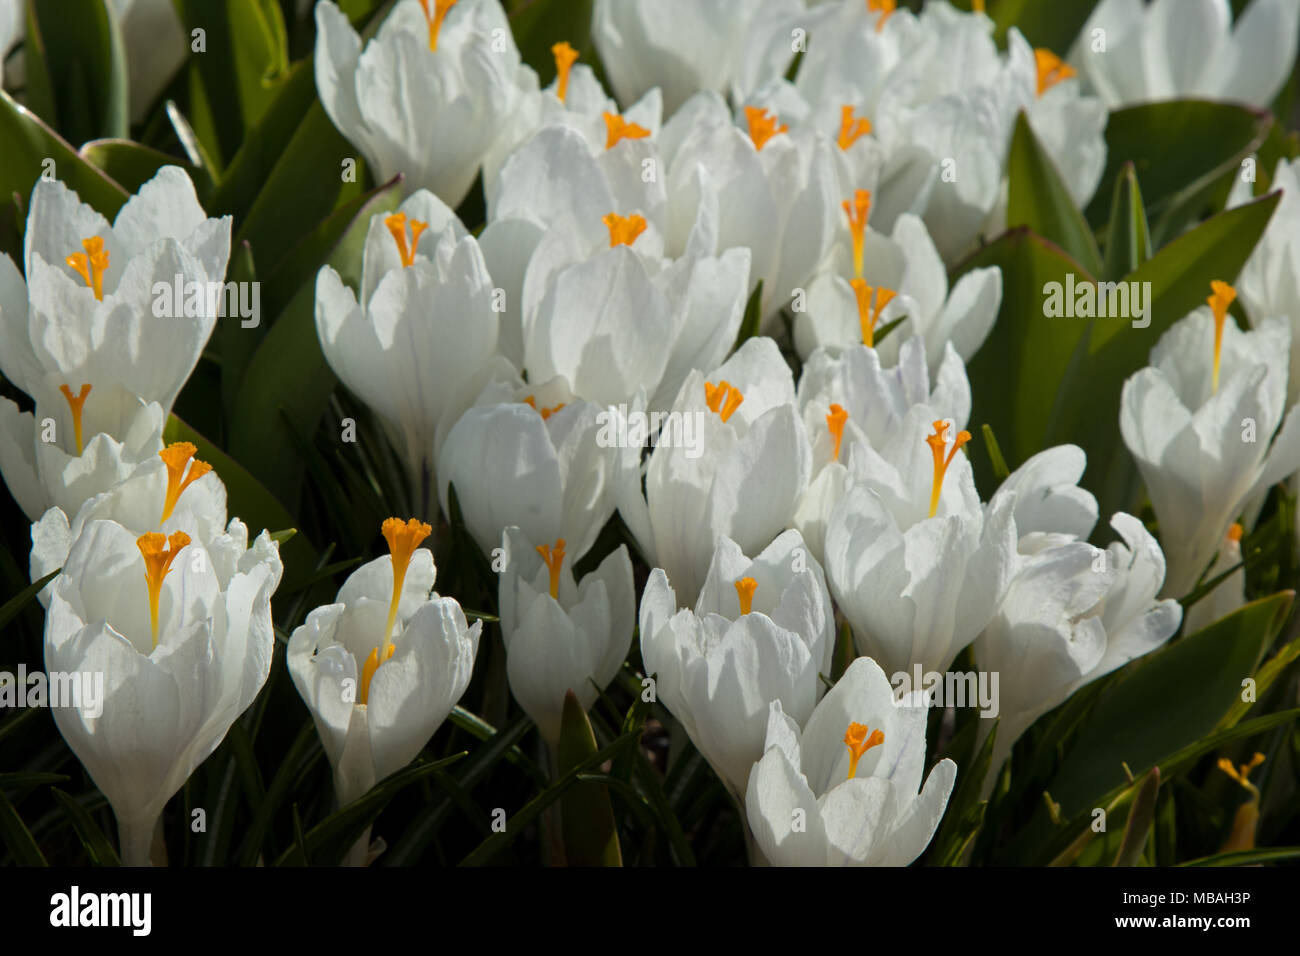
139,840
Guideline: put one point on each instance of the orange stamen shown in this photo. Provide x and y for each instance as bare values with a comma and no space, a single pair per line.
157,563
623,230
745,589
851,130
435,18
372,665
885,7
859,741
544,412
76,403
1051,69
553,558
762,126
858,211
176,456
936,443
565,56
1220,298
723,398
1235,532
397,225
869,314
618,129
91,264
835,422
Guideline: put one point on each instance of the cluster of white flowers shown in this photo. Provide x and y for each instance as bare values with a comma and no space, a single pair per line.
625,238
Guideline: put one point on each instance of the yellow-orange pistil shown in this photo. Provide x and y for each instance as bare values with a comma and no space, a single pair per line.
869,311
858,210
977,6
158,551
763,125
851,129
565,56
884,7
1234,532
403,538
835,423
623,230
618,129
544,412
176,456
859,741
553,558
76,403
1051,69
1220,298
407,239
91,264
745,588
937,444
723,398
1242,835
435,16
372,665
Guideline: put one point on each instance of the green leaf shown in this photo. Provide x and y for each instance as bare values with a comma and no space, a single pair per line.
1140,818
999,464
1264,679
306,749
24,597
965,814
328,841
1050,25
76,68
753,318
133,165
587,819
1181,150
540,24
97,846
1267,854
1128,239
17,837
29,778
1038,199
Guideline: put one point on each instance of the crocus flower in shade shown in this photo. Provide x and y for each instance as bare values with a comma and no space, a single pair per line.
1070,614
900,277
418,345
529,456
429,95
1189,49
742,478
183,654
761,631
562,634
1230,593
679,46
1199,422
847,790
382,667
847,401
914,560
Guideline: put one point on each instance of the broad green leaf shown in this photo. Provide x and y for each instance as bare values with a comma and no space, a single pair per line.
965,813
1050,25
1038,199
328,841
587,819
133,165
97,846
1180,149
1128,239
76,68
540,24
1018,371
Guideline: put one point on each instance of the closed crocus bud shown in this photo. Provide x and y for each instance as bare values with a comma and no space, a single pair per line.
181,652
420,343
382,667
913,559
529,456
847,789
1071,613
847,400
429,95
736,466
761,631
874,280
1199,422
561,634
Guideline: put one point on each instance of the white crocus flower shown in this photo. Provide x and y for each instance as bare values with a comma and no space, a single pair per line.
562,634
429,95
680,46
1230,594
382,667
776,188
182,654
1199,422
1072,613
530,457
761,631
874,280
847,400
913,559
418,345
847,789
1166,50
739,474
